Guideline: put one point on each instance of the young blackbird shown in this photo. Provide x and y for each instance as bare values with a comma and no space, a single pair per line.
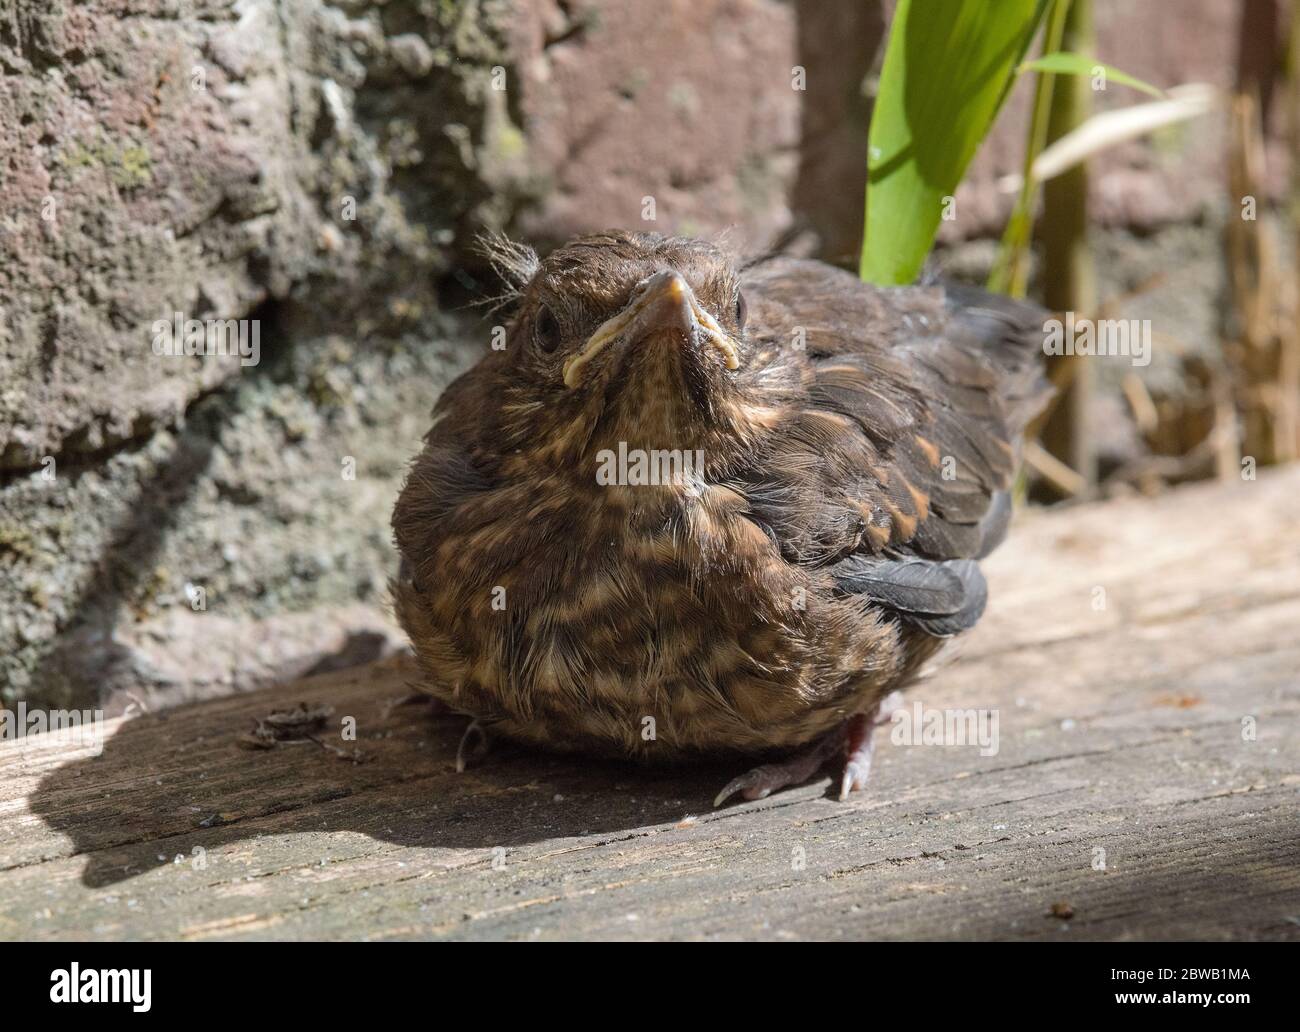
696,509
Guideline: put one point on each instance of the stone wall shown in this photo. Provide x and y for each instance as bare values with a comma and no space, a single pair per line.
303,166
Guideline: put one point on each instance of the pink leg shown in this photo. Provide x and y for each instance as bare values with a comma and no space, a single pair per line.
854,740
860,743
435,707
473,744
762,781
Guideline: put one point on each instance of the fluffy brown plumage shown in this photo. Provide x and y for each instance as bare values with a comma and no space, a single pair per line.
855,463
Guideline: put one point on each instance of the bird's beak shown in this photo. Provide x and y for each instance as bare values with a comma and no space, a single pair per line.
662,302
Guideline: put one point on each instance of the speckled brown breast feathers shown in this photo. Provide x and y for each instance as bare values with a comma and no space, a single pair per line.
614,542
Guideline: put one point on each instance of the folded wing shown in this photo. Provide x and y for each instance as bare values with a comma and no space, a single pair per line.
896,469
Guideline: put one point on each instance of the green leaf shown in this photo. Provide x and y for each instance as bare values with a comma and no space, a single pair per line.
948,67
1062,63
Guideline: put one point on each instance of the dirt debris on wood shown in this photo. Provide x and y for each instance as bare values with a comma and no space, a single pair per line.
303,723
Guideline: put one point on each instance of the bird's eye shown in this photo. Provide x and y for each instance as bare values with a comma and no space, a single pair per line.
742,310
546,331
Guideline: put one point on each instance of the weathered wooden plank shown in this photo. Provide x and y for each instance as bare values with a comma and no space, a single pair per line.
1120,729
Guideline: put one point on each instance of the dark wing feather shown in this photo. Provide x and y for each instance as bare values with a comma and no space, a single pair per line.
902,455
941,599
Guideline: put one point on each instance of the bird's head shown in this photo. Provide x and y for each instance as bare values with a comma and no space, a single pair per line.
631,340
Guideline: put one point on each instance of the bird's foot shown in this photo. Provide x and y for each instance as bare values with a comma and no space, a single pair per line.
434,706
860,743
473,744
854,741
762,781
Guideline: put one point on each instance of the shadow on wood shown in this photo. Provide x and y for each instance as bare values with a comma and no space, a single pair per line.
182,776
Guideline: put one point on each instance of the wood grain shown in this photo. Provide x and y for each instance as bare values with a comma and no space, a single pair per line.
1125,645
